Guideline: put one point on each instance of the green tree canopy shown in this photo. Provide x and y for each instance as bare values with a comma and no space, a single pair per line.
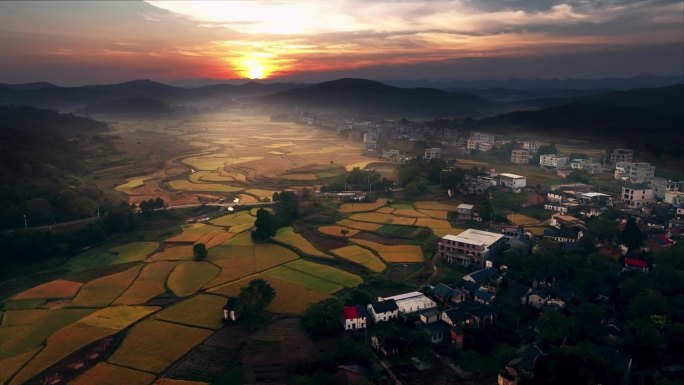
199,252
254,297
264,226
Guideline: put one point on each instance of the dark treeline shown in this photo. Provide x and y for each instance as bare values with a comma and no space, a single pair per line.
42,165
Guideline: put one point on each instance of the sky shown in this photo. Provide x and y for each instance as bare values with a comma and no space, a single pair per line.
84,42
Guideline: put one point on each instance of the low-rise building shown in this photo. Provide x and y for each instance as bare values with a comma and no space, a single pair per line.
513,181
553,161
520,156
638,195
432,153
355,317
471,247
634,172
383,310
465,212
621,155
410,302
230,310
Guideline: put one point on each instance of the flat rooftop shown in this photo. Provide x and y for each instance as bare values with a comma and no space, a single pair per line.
594,195
475,237
511,176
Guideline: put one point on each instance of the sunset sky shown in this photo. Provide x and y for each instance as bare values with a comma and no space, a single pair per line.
83,42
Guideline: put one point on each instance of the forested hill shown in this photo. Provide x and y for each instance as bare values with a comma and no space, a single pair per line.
41,164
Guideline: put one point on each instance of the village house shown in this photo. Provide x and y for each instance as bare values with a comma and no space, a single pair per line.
520,156
634,172
383,310
552,161
410,302
432,153
536,299
470,247
230,310
638,195
621,155
447,295
530,145
513,181
355,317
465,212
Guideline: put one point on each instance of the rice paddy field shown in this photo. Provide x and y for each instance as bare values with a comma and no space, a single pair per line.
360,256
394,253
287,236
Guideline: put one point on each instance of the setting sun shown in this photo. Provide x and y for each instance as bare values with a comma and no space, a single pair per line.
254,69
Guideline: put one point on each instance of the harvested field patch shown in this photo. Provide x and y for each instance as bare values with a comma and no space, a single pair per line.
59,345
23,304
147,347
433,205
133,252
245,198
437,214
268,255
259,193
204,310
336,231
383,219
117,317
103,291
59,288
394,253
188,277
360,207
520,219
24,330
178,253
234,219
360,256
290,298
306,280
107,374
287,236
149,284
193,232
365,226
186,185
237,229
326,272
300,176
132,183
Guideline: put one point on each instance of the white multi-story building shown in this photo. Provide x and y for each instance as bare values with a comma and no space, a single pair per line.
674,193
621,155
638,195
530,145
634,172
552,160
592,168
432,153
470,247
520,156
355,317
515,182
577,164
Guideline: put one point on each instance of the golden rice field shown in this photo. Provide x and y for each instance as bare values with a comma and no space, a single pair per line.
147,346
385,210
193,232
204,310
336,231
133,183
291,298
364,226
133,252
149,284
9,366
286,235
117,317
186,185
176,253
188,277
59,288
433,223
360,207
360,256
409,213
394,253
234,219
103,291
303,279
432,205
437,214
519,219
108,374
385,219
325,272
268,255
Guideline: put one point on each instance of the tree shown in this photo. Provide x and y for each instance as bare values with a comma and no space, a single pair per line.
323,318
286,208
254,298
264,226
199,251
344,232
631,236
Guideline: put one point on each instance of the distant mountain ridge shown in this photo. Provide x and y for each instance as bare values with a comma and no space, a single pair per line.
368,97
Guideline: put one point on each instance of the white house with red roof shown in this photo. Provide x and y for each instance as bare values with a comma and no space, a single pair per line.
355,317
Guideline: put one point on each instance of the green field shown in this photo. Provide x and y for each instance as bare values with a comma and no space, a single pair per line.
133,252
188,277
268,255
235,219
326,272
306,280
149,284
